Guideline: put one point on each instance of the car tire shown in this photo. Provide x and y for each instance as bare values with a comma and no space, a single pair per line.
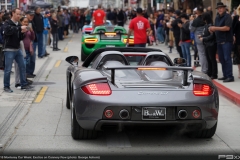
67,100
77,131
205,133
83,55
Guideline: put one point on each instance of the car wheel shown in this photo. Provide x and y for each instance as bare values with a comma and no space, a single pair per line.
205,133
76,130
83,56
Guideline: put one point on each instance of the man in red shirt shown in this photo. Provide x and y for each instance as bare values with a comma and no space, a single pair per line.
99,17
140,26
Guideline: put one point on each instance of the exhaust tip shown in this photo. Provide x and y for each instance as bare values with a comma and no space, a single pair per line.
182,114
124,114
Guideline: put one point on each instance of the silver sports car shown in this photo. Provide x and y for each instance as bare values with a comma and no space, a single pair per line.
121,87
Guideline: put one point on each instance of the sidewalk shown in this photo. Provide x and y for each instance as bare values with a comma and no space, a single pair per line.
14,106
230,90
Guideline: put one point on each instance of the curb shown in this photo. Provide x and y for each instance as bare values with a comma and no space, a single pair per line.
228,93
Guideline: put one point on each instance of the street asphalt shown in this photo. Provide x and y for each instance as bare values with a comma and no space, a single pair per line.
29,127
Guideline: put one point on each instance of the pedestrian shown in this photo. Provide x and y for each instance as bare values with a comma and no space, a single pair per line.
73,21
54,31
160,27
171,36
99,17
185,39
1,45
176,31
152,21
224,35
194,45
236,32
197,27
26,49
88,16
209,10
210,43
120,18
32,61
60,19
12,50
77,16
39,28
66,22
46,24
141,28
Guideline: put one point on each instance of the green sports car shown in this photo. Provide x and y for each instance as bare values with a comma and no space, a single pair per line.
102,37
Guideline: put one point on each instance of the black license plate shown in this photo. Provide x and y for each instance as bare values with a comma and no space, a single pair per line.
154,113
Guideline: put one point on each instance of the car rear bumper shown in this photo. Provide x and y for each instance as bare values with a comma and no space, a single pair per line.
188,125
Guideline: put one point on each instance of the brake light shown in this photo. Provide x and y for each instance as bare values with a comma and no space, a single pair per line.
102,89
202,90
91,40
131,41
162,69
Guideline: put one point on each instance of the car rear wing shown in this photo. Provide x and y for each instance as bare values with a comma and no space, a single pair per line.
173,68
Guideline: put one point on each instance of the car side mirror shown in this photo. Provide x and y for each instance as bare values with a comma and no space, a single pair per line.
179,61
73,60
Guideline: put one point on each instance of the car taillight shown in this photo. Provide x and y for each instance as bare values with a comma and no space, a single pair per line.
101,89
91,40
131,41
202,90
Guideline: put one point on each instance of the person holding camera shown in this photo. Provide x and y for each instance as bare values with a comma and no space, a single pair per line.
13,33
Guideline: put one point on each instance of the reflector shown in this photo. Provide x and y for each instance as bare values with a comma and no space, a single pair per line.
108,113
196,113
97,89
202,90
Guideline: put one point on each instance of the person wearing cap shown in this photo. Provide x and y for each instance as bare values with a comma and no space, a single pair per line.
176,31
140,26
197,26
46,24
185,39
224,35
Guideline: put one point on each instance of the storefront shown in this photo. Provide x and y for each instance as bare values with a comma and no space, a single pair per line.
8,4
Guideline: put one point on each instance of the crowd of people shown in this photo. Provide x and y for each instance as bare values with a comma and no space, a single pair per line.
197,30
22,33
26,35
